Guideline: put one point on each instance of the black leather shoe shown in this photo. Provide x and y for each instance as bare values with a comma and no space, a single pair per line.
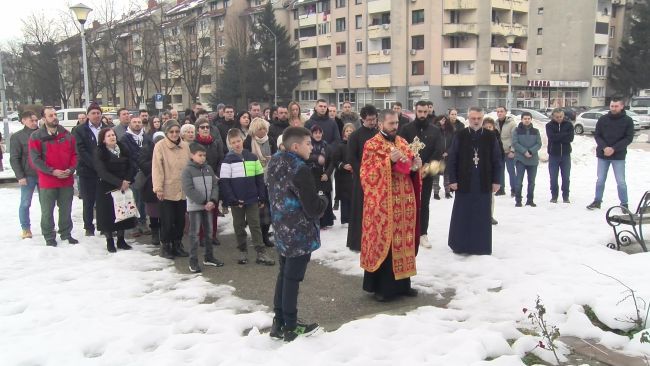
178,250
594,205
121,244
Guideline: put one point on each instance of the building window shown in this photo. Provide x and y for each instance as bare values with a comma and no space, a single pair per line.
540,31
340,24
222,41
340,71
539,51
340,48
358,2
358,21
417,16
417,42
612,31
385,43
308,95
454,17
600,70
597,91
359,44
358,70
324,28
340,3
540,11
222,61
538,71
417,68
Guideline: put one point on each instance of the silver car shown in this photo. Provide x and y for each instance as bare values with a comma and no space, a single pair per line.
586,121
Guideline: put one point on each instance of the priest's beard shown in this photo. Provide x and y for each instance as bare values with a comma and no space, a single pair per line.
421,122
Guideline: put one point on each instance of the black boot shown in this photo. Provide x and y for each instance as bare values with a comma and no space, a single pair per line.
178,250
110,245
121,243
166,251
155,236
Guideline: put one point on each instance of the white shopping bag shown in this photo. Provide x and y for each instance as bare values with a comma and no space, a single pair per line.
124,205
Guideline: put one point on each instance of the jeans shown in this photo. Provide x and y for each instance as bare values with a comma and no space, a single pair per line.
137,195
619,175
26,193
531,172
172,220
248,214
198,219
427,187
61,197
510,167
88,191
285,302
557,164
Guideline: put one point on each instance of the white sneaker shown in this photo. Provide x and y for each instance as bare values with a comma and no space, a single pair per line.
424,242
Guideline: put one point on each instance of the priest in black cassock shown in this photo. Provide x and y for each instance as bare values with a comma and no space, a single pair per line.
356,141
475,165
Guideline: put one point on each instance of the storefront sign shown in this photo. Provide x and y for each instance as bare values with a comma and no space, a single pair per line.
558,84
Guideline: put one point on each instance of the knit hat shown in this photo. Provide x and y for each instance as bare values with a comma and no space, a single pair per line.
92,106
157,136
169,124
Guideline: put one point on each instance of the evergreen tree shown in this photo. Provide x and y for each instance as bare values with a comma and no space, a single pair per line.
239,82
264,51
629,73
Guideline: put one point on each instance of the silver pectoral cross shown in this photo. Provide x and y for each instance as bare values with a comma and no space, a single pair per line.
476,158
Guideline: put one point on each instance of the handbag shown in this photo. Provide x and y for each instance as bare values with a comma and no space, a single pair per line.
140,180
124,205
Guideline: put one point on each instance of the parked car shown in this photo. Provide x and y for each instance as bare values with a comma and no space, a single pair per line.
537,116
68,117
644,120
586,121
408,113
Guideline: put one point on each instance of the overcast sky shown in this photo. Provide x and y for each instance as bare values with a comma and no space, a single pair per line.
13,10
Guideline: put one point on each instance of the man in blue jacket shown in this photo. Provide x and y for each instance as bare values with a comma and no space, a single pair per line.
560,135
321,118
526,141
614,132
296,208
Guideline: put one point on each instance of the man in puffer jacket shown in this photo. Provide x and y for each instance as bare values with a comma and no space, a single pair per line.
526,142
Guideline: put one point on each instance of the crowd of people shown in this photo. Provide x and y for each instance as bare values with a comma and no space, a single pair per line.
274,168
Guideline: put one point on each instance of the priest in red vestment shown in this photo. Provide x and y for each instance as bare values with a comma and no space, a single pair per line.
391,182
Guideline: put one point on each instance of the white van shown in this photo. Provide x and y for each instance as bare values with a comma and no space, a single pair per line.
68,118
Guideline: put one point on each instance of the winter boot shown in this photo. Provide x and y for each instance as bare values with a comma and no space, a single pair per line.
276,329
243,257
110,245
155,236
178,250
121,243
264,259
166,251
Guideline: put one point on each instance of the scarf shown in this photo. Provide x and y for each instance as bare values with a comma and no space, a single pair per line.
256,147
137,137
204,140
115,151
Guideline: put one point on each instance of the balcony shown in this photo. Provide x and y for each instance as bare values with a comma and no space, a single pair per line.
459,54
501,54
379,81
602,18
205,89
324,40
308,85
308,63
500,79
325,86
377,57
325,62
307,20
306,42
459,28
601,39
505,28
459,80
379,31
516,5
378,6
460,4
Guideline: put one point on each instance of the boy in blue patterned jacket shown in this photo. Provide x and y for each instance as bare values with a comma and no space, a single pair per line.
242,187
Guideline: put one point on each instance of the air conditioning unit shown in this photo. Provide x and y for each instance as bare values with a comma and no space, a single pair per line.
471,66
386,52
413,52
461,94
469,94
386,26
446,93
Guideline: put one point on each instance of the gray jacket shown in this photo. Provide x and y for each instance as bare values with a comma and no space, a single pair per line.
200,186
506,133
526,139
120,130
19,154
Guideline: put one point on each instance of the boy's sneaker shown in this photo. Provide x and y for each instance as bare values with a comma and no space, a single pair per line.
243,258
194,266
27,234
301,330
262,258
276,329
594,205
211,261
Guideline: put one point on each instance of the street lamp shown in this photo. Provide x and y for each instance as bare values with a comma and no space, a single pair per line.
275,63
81,13
510,40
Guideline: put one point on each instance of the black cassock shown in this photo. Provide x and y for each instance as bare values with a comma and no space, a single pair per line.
356,141
470,229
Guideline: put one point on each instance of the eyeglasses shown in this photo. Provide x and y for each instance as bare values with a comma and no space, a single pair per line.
204,127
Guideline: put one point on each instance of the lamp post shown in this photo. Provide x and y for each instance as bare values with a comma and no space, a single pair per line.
275,63
510,39
81,13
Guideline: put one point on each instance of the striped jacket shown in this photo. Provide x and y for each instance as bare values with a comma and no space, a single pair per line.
242,179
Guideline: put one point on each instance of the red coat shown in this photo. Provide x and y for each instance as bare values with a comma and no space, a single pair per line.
48,152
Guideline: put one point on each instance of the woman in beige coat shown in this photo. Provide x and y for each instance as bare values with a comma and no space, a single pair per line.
170,156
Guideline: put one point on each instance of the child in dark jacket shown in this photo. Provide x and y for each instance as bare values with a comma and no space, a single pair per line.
322,168
200,185
296,208
242,188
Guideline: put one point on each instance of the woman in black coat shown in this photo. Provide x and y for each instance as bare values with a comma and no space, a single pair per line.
320,161
151,201
112,164
343,174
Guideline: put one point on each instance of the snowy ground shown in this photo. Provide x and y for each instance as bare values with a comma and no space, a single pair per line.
77,305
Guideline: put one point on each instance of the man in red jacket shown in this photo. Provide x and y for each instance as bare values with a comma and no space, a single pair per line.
53,155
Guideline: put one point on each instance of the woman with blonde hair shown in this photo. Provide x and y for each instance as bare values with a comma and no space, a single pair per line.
188,133
296,119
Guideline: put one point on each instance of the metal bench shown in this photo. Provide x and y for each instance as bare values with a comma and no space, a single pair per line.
628,226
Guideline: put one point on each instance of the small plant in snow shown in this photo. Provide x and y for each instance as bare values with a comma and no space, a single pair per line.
548,332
